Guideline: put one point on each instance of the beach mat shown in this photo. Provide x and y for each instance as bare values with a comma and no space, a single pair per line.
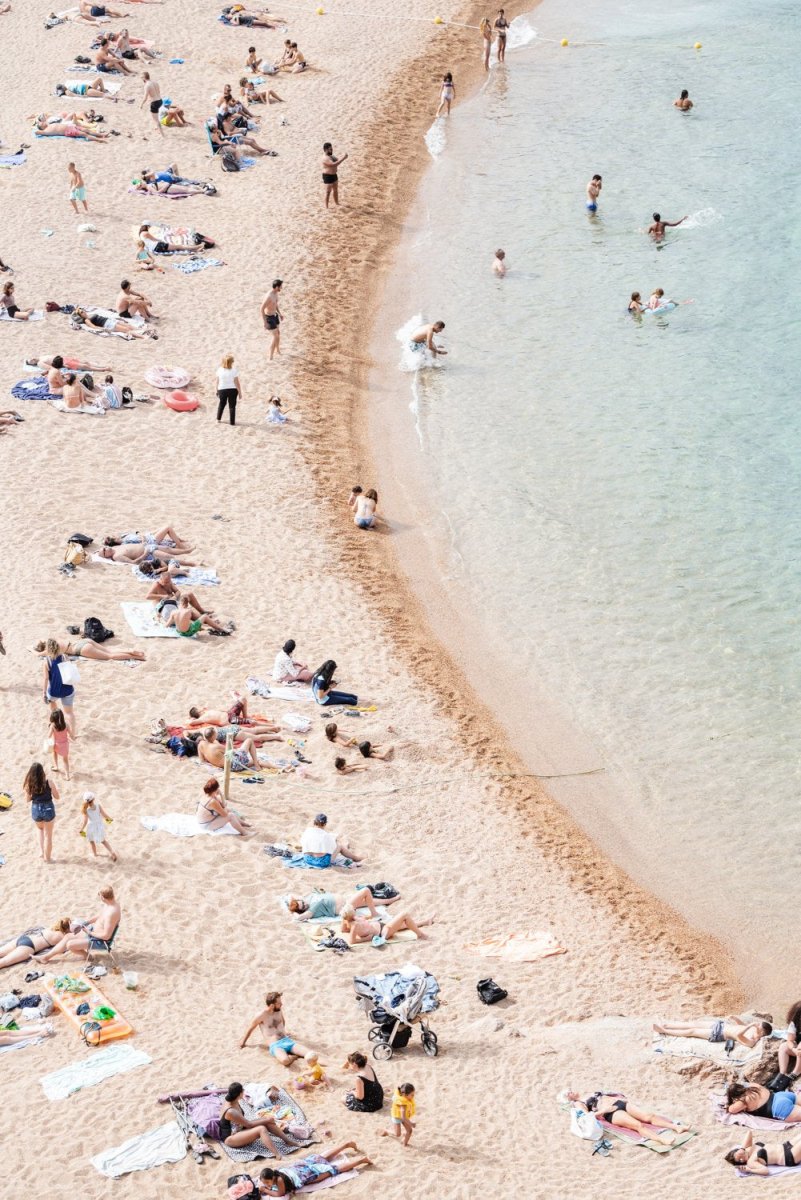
165,1144
279,1147
142,618
718,1102
683,1047
633,1138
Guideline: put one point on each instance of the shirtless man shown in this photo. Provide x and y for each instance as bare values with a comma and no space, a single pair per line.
99,928
188,620
212,751
272,316
69,127
272,1024
268,731
684,102
106,60
657,230
132,304
593,192
424,338
152,97
165,588
135,552
77,188
90,12
330,176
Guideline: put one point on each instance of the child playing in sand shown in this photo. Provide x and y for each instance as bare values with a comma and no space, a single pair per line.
59,740
94,822
145,260
345,768
275,414
403,1109
315,1074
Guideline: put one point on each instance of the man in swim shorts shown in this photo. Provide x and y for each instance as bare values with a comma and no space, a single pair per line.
152,97
271,315
593,192
273,1028
77,188
424,338
330,176
212,751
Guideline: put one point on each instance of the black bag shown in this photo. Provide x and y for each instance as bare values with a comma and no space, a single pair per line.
253,1194
95,630
489,992
780,1083
386,1022
382,891
81,538
190,746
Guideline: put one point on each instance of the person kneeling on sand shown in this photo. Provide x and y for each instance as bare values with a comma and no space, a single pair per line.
618,1110
717,1029
272,1023
95,934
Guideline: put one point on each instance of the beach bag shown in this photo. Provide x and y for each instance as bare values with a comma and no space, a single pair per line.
780,1083
75,554
228,160
70,675
489,992
82,539
585,1125
242,1187
175,745
190,746
95,630
55,684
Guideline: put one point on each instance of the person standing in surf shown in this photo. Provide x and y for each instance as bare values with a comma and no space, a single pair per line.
502,27
593,193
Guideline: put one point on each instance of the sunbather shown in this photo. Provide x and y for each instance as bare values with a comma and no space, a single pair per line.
70,129
90,12
251,95
189,620
790,1049
47,361
166,536
755,1157
108,60
159,244
166,592
9,1037
618,1110
96,323
359,929
760,1102
272,1023
229,134
310,1170
213,813
210,750
717,1029
95,88
135,552
132,304
86,648
287,669
33,941
259,734
132,47
74,392
325,904
235,1128
96,932
235,719
235,14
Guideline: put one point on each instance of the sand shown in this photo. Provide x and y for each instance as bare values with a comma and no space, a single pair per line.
454,822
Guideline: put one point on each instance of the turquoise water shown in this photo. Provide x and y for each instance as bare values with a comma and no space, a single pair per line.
624,497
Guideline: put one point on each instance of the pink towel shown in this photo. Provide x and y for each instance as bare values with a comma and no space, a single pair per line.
717,1100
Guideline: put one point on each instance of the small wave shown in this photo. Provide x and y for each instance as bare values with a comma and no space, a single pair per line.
413,360
521,33
704,216
436,138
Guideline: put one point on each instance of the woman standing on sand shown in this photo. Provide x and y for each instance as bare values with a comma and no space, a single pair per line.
487,34
41,794
229,389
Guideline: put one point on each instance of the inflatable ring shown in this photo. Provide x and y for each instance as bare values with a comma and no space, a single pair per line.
181,401
167,377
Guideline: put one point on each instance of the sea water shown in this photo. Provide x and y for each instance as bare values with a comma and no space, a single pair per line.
622,496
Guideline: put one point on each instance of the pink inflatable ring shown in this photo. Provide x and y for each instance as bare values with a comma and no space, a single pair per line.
181,401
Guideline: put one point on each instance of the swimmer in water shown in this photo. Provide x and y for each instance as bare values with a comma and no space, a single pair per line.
635,303
684,102
499,263
657,230
424,338
657,299
593,192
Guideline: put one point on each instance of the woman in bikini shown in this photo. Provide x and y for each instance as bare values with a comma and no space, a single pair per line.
357,929
487,33
760,1102
755,1157
447,95
236,1130
86,648
213,813
98,324
30,943
618,1110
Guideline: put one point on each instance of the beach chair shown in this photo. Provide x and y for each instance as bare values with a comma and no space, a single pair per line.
103,946
207,128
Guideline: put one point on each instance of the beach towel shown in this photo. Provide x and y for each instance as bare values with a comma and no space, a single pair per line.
299,860
12,160
771,1172
165,1144
183,825
190,266
36,315
649,1143
681,1047
314,932
331,1181
279,1147
718,1102
114,1060
278,691
189,576
92,311
90,410
33,389
112,86
141,616
518,947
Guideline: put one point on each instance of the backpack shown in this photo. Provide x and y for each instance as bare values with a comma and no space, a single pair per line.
75,555
489,992
95,630
82,539
228,160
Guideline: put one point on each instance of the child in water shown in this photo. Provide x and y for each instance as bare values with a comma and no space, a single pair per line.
447,95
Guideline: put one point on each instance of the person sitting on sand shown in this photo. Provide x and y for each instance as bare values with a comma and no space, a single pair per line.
235,1128
424,338
95,89
170,114
323,692
310,1170
95,933
272,1023
10,1037
790,1049
250,95
75,394
367,1094
210,750
287,669
618,1110
80,319
233,132
213,813
313,1075
684,102
109,61
166,592
320,847
86,648
132,47
360,929
145,260
294,62
335,735
757,1100
132,304
717,1029
325,905
365,512
755,1157
8,301
189,620
32,942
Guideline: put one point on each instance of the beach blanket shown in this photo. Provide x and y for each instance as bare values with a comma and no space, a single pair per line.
183,825
718,1102
92,311
771,1172
190,266
36,315
189,576
279,1147
681,1047
172,194
278,691
114,1060
299,861
90,410
649,1143
12,160
331,1181
165,1144
518,947
33,389
141,616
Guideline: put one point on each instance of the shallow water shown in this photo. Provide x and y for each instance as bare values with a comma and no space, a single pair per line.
623,497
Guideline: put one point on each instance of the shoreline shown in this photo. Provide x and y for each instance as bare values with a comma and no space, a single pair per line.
379,571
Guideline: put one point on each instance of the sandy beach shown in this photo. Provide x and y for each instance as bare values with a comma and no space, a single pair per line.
454,821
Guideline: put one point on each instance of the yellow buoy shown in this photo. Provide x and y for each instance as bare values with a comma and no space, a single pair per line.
697,46
564,42
438,20
320,12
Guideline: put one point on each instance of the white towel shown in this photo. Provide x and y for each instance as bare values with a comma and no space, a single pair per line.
166,1144
102,1065
183,825
141,616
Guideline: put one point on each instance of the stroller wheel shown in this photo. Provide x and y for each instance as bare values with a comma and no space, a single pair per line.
429,1044
374,1034
383,1051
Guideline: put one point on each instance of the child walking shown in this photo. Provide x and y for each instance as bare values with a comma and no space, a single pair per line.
403,1110
447,95
94,822
59,740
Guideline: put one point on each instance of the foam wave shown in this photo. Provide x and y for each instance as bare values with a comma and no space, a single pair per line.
436,138
521,33
704,216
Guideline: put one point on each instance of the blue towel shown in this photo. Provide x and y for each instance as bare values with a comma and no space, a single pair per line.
33,388
190,266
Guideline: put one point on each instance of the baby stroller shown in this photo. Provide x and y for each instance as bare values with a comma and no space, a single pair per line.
394,1016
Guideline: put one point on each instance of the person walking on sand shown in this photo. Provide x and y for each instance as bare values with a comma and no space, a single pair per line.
77,188
593,193
485,28
59,741
330,173
502,28
41,794
95,819
447,95
229,389
272,317
272,1023
401,1113
657,230
152,97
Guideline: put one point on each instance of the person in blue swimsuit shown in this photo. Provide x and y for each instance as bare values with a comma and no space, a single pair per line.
593,193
